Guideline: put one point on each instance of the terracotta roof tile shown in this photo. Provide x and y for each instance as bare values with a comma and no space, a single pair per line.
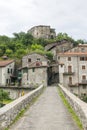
73,53
4,63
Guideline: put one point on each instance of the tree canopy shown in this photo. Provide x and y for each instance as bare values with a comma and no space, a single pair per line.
22,43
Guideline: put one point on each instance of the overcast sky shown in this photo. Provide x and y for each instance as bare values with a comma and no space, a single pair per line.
68,16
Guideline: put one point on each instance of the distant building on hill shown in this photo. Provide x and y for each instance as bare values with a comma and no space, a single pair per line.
42,31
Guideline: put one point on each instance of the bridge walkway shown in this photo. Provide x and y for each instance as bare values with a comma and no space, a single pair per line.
48,113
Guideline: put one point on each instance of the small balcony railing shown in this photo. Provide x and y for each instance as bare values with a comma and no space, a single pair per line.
72,85
68,73
84,82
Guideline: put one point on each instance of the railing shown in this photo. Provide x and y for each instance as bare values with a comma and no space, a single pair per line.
83,82
10,111
68,73
72,85
79,106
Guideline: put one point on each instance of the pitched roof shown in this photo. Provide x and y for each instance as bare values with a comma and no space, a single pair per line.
59,43
4,63
32,53
37,64
73,54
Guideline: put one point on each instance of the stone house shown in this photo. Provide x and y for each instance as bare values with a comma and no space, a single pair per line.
42,31
6,71
58,47
33,57
79,48
34,70
73,71
35,74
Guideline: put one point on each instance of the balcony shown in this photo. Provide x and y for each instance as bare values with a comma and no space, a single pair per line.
83,82
68,73
73,85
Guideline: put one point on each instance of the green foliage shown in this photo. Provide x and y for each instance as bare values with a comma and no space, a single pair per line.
49,55
64,36
3,95
80,41
8,52
84,98
23,43
20,52
37,47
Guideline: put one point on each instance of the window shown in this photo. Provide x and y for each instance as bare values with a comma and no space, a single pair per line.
61,65
83,58
38,59
8,70
11,71
69,68
33,70
82,49
83,77
83,67
69,58
84,87
29,60
6,81
70,80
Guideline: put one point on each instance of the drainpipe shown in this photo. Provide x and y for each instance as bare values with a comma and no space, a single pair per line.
78,75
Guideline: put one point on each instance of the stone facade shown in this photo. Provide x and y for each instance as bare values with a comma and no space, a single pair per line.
33,57
34,76
42,31
58,47
6,71
34,70
79,48
16,92
73,71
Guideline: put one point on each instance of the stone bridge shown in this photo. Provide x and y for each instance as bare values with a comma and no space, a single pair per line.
47,113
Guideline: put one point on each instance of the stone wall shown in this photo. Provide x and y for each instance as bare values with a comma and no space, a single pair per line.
16,92
9,112
79,106
34,57
42,31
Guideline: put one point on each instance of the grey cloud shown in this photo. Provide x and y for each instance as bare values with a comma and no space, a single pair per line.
65,16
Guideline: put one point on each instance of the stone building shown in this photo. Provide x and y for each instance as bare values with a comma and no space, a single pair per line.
34,75
34,70
79,48
42,31
58,47
33,57
73,71
6,71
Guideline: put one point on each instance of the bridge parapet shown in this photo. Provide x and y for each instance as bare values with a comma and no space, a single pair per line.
9,112
78,105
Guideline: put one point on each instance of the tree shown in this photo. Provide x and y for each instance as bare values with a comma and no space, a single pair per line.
9,52
80,41
49,55
20,52
36,47
64,36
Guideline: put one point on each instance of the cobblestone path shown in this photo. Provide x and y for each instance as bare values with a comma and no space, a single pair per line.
47,113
